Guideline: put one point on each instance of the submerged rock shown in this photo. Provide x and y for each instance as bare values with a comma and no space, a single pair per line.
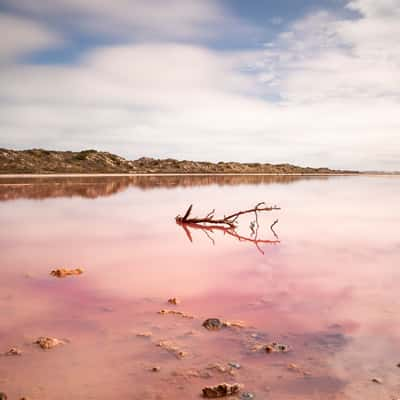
144,334
296,368
13,352
234,365
173,300
377,380
221,390
275,347
172,348
247,396
213,324
48,342
174,312
63,272
221,368
235,324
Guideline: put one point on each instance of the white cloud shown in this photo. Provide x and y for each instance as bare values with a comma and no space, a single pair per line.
339,85
21,36
138,19
324,57
376,9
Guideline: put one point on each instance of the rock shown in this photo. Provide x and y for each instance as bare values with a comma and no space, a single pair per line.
221,390
234,365
174,312
256,336
205,374
377,380
173,300
276,348
236,324
13,352
144,334
48,342
246,396
3,396
192,373
213,324
172,348
63,272
156,368
257,347
293,367
191,333
221,368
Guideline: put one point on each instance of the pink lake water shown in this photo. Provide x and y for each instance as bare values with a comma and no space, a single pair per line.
329,289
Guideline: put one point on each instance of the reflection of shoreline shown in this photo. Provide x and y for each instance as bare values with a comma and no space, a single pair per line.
99,186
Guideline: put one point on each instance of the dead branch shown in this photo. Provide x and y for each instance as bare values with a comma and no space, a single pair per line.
229,220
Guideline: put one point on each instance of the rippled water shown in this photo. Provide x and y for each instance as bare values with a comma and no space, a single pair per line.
329,288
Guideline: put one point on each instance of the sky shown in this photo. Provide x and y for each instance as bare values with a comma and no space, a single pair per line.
309,82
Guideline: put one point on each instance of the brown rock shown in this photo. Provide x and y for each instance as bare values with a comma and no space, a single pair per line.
276,348
215,324
13,352
172,348
48,342
174,312
173,300
221,390
63,272
144,334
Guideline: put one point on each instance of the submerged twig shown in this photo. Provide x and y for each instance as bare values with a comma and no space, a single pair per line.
227,224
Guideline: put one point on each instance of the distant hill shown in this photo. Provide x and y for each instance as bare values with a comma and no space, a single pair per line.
39,161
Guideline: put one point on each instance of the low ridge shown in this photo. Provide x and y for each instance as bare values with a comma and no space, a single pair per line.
39,161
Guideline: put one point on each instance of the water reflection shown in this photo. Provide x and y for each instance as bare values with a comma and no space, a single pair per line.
93,187
329,289
230,232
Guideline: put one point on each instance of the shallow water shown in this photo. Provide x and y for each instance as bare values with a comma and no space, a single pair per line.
329,288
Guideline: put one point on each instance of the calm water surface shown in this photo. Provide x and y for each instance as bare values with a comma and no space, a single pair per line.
329,289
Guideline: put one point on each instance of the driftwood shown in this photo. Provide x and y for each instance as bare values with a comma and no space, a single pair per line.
228,224
229,220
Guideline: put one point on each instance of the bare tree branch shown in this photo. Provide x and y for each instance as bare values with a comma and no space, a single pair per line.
229,220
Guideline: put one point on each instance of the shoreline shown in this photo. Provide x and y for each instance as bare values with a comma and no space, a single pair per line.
80,175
